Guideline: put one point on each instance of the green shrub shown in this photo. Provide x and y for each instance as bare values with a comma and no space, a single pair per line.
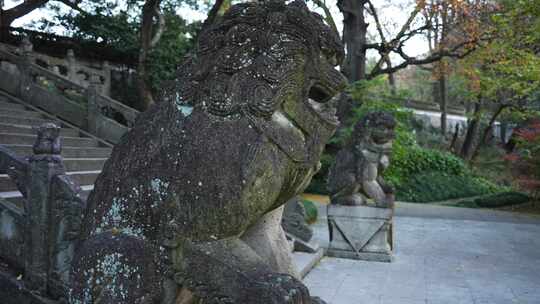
311,211
496,200
318,183
410,161
440,186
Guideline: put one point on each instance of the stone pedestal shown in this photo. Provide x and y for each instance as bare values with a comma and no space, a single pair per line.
360,232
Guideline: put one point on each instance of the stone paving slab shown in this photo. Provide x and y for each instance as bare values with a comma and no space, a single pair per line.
440,261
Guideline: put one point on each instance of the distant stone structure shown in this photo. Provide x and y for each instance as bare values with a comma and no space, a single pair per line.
76,97
361,210
70,67
294,220
296,227
189,205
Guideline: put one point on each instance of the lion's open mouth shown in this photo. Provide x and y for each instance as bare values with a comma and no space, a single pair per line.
322,100
320,93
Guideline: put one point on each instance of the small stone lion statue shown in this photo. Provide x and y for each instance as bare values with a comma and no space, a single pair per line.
356,176
189,205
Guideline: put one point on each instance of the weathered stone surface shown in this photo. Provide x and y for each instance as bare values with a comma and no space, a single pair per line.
356,176
239,134
11,233
266,237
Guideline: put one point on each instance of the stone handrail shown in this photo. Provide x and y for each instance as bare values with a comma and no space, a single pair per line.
84,107
40,237
68,67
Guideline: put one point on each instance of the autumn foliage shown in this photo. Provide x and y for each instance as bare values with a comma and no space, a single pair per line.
525,161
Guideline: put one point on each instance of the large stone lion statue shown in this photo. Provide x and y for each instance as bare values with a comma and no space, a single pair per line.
188,207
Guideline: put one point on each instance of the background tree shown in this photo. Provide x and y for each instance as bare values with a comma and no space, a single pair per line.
505,73
8,16
357,13
151,32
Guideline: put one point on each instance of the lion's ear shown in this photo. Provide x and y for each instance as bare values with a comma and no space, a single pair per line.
301,4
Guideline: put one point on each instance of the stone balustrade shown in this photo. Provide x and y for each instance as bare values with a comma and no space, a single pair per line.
81,103
39,237
78,71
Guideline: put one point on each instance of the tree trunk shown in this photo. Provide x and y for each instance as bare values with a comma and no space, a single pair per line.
149,11
472,130
4,25
354,38
443,103
8,16
488,130
504,127
391,78
452,146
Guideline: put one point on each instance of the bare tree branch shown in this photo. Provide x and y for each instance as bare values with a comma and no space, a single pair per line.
10,15
212,15
328,16
453,52
398,37
160,29
373,13
20,10
74,5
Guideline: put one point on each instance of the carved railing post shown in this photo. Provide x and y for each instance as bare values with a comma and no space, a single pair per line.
93,110
66,214
43,166
24,66
53,213
107,74
72,66
56,69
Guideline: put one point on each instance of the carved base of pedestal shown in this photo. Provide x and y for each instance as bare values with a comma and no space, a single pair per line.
13,291
363,256
360,232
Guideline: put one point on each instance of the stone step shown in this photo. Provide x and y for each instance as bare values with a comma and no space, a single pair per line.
25,129
67,152
24,120
10,105
26,139
16,198
7,184
305,262
84,178
20,113
84,164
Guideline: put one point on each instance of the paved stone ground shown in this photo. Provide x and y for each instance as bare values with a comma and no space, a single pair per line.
470,257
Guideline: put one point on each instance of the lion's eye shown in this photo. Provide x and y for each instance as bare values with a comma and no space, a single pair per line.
331,58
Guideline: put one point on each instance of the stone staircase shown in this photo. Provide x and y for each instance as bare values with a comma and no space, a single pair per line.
84,155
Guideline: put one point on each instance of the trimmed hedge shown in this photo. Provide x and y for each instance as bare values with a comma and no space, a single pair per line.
496,200
439,186
412,161
311,211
